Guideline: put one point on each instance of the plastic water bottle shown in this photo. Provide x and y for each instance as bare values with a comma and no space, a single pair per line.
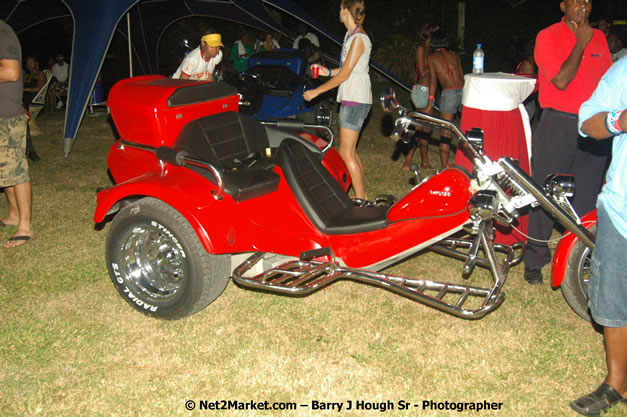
477,60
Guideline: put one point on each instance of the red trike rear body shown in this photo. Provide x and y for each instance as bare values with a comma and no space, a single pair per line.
273,222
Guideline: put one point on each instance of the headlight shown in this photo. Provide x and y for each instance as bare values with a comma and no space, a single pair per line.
560,185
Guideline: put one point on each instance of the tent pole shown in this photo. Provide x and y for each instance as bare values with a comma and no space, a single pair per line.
130,48
461,24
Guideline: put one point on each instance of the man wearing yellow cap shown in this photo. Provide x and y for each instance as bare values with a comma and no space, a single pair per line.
200,63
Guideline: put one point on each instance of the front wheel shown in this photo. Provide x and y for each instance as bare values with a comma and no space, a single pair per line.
577,277
158,264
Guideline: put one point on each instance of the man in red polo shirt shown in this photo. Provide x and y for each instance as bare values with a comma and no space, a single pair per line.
571,58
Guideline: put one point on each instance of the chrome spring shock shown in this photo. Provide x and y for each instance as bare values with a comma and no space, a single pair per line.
508,182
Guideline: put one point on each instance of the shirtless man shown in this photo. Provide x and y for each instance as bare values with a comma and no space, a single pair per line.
423,77
447,68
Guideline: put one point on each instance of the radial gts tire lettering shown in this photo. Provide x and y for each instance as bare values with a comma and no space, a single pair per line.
158,264
576,278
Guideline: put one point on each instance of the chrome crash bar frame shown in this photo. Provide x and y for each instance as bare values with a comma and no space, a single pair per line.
303,277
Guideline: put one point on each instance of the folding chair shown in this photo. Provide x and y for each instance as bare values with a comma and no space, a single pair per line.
37,104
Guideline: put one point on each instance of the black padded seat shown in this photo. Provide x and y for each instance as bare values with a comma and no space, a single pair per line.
235,144
200,93
321,197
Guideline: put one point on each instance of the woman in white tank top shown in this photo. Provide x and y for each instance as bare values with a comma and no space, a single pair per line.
355,92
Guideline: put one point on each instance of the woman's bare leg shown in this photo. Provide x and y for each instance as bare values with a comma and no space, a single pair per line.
348,152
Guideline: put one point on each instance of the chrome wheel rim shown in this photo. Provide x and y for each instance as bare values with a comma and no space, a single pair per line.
583,272
153,262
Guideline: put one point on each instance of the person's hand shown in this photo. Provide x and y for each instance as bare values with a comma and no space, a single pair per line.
311,94
583,31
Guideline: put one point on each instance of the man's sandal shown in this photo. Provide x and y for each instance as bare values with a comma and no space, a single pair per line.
598,401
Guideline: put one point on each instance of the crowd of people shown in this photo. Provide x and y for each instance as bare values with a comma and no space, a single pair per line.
582,97
202,62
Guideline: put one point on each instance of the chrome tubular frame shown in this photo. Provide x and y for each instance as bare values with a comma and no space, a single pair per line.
217,174
303,277
434,121
185,159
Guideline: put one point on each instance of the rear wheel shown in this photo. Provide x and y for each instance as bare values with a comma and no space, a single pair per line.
158,264
577,277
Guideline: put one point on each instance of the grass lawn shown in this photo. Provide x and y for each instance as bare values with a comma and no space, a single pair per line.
70,346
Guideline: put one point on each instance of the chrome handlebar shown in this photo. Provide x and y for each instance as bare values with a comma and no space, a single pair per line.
390,104
294,124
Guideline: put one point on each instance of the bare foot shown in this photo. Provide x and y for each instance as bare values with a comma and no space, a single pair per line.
8,222
426,166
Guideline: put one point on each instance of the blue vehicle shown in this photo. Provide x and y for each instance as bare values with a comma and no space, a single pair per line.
272,88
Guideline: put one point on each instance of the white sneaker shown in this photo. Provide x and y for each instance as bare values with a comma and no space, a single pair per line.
59,105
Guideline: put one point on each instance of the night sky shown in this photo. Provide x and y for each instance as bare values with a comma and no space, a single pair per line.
495,23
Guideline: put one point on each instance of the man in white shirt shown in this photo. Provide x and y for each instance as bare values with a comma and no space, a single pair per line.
200,63
60,73
61,70
303,33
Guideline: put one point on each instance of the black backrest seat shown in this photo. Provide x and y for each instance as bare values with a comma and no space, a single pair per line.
226,140
191,94
320,196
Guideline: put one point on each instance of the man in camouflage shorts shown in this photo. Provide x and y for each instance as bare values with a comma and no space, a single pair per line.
14,175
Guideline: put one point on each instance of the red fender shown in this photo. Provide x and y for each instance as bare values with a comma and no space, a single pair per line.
169,189
562,252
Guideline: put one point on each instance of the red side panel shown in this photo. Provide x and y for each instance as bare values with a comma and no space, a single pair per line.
445,194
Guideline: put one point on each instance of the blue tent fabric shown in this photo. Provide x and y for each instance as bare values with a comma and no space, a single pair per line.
96,20
24,14
92,37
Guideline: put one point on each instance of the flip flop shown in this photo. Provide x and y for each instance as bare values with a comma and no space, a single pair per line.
22,239
598,401
17,238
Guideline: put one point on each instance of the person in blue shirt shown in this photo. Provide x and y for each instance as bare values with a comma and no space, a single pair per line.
604,116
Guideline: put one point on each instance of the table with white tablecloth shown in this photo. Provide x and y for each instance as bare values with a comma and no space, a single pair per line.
493,103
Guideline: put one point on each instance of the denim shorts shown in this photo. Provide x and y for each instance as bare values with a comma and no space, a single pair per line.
353,117
451,101
607,289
